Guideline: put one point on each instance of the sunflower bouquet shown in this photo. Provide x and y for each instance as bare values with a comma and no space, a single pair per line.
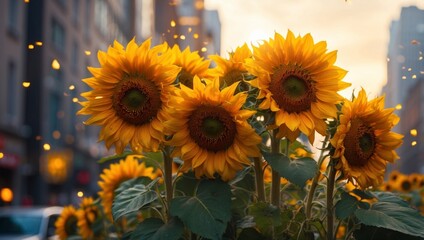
228,152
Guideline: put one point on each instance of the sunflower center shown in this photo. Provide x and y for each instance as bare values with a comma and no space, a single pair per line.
212,128
359,143
293,89
71,226
186,78
136,100
405,185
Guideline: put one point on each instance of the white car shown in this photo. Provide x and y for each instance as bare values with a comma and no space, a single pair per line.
28,223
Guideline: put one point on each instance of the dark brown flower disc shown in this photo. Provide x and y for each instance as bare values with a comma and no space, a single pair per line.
212,128
359,143
292,89
136,100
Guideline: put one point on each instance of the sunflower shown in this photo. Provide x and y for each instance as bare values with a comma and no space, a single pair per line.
231,70
112,177
404,184
66,224
88,214
298,81
363,140
210,131
394,175
129,95
191,64
415,179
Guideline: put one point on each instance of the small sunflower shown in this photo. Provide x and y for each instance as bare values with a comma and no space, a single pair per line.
112,177
363,140
394,175
88,214
191,64
129,95
66,224
415,179
298,81
404,184
231,70
210,131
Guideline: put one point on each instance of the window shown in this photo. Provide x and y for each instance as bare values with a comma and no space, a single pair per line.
58,36
12,20
11,89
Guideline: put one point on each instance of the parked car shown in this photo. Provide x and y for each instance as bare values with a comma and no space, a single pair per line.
28,223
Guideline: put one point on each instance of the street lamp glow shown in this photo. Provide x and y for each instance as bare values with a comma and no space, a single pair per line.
6,194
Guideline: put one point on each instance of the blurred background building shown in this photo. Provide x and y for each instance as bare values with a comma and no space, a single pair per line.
47,155
404,89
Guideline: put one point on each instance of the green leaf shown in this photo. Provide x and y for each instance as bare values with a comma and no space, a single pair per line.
266,215
131,183
393,213
346,206
390,197
156,229
296,171
208,211
363,194
115,157
132,199
185,185
153,156
239,202
241,175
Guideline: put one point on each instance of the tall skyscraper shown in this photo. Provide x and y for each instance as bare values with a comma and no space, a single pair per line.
405,53
13,133
405,71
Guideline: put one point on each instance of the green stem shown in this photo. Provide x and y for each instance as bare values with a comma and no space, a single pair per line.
330,207
315,181
259,179
275,184
168,176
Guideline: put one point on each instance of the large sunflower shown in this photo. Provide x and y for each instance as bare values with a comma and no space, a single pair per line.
129,96
112,177
191,64
364,141
298,81
66,224
210,131
231,70
88,214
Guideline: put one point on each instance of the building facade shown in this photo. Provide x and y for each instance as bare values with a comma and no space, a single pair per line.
405,70
13,132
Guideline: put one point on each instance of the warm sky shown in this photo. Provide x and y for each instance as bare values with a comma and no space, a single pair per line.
358,29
